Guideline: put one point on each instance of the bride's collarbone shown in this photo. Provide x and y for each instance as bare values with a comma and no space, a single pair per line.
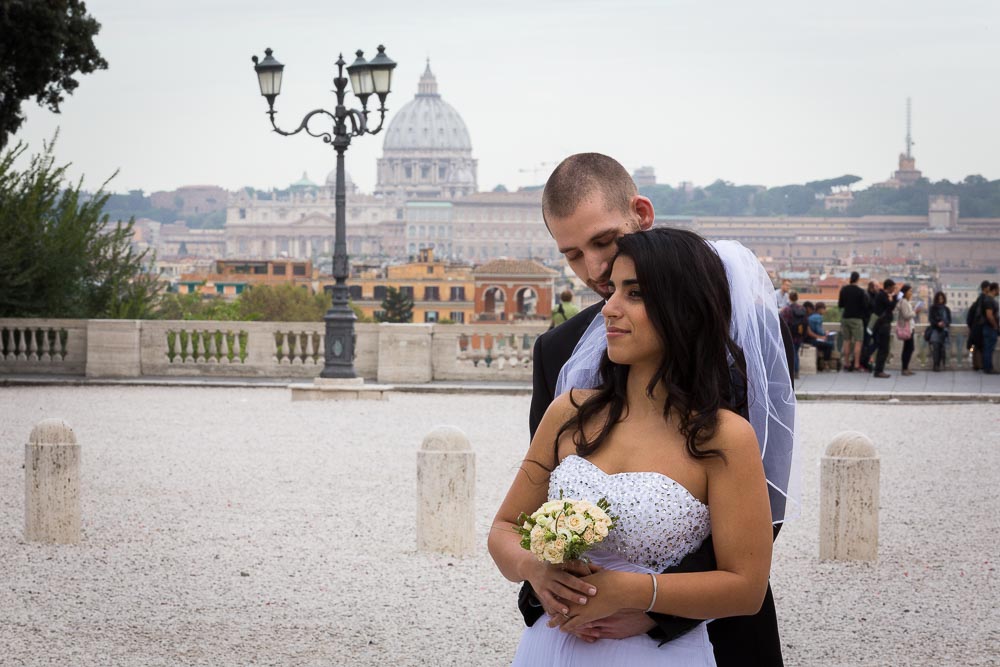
642,447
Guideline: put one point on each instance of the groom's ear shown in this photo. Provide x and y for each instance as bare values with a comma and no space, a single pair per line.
643,209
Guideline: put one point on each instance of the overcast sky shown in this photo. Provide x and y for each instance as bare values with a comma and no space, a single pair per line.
748,91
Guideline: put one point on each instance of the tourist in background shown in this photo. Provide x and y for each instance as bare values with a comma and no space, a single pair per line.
883,306
797,319
938,329
990,326
565,310
815,335
904,325
868,346
853,303
783,294
974,320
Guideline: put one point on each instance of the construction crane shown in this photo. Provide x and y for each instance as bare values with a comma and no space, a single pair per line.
909,137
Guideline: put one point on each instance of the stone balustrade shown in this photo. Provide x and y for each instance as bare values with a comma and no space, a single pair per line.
386,352
43,346
159,348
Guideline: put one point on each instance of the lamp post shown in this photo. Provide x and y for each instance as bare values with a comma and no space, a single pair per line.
366,78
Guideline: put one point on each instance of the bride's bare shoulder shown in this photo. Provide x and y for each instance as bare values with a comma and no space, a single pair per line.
563,407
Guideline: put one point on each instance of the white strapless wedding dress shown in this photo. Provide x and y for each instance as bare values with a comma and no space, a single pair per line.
659,522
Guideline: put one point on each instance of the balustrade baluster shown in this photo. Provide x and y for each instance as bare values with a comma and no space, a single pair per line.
63,339
280,347
5,345
21,345
46,336
244,343
183,337
294,356
230,346
310,353
36,344
211,355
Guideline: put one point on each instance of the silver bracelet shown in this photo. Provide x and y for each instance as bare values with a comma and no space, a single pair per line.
653,601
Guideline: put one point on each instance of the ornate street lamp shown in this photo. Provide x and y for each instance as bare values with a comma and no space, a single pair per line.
366,78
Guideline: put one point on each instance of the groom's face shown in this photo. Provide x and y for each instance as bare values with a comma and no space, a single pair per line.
586,238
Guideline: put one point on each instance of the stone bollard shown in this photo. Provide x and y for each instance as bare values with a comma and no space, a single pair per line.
446,489
52,484
807,360
849,498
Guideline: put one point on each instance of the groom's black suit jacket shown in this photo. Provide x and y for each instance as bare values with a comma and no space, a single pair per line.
743,641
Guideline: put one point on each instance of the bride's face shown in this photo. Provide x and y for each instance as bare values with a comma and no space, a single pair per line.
632,338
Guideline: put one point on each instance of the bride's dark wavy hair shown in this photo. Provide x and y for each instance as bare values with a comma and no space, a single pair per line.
686,294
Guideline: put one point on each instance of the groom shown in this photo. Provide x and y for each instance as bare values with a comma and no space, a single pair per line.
588,203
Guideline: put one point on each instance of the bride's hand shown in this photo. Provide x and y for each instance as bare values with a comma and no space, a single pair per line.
607,602
556,586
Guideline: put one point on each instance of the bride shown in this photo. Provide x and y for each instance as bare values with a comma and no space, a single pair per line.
656,441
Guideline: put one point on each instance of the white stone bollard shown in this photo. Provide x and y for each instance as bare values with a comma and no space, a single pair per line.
849,499
52,484
807,360
446,489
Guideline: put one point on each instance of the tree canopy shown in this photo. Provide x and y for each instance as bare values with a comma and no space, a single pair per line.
59,257
397,306
979,198
266,303
44,46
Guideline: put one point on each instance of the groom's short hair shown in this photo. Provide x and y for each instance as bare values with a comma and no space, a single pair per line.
581,175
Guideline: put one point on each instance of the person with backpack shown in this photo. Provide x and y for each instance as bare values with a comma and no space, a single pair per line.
991,327
974,319
885,303
937,331
565,310
797,319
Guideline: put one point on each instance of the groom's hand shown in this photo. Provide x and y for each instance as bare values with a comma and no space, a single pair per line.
617,626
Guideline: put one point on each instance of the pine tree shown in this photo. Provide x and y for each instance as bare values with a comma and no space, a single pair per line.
59,256
397,306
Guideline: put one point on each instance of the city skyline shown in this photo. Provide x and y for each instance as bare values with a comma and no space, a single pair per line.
769,94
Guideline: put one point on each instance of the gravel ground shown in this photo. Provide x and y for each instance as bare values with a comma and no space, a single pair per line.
234,527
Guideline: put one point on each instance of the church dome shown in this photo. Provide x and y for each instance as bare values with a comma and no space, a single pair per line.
331,180
427,122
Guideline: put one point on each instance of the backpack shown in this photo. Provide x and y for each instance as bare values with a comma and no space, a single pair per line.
552,323
974,317
795,317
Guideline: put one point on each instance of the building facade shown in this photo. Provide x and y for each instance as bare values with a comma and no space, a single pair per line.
439,290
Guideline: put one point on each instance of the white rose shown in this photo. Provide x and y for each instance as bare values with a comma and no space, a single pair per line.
551,507
601,528
588,535
576,523
597,514
553,553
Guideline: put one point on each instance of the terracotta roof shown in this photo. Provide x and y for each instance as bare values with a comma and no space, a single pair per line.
508,267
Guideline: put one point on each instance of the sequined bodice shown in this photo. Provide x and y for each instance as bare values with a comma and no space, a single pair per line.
659,521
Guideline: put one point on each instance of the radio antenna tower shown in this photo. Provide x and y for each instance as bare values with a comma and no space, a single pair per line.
909,138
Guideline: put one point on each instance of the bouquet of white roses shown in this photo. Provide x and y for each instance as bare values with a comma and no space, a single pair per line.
562,530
